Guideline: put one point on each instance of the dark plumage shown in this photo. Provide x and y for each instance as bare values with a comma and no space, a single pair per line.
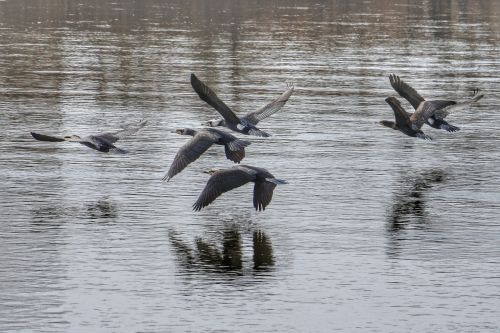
102,142
227,179
407,124
441,108
201,141
231,120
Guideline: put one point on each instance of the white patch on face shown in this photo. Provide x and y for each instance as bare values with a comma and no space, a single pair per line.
240,126
431,121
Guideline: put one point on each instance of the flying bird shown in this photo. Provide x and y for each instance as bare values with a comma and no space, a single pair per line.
442,107
225,180
201,141
103,142
408,124
245,125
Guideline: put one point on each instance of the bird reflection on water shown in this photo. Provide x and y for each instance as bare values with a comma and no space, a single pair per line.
411,202
409,206
102,209
224,255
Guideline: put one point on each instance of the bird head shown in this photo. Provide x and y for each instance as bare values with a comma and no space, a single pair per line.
388,123
185,131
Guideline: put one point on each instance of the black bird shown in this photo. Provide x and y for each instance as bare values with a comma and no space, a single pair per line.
443,107
231,120
201,141
103,142
225,180
262,113
408,124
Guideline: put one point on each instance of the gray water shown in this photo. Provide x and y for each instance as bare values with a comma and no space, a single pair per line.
375,232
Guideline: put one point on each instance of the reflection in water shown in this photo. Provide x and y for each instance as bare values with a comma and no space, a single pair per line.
47,217
410,204
225,255
102,209
262,250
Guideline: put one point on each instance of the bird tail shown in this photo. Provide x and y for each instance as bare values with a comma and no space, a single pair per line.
117,150
450,128
424,136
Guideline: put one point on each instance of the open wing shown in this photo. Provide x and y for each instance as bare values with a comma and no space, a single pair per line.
271,108
221,182
262,194
234,155
211,98
405,91
444,112
43,137
400,114
189,153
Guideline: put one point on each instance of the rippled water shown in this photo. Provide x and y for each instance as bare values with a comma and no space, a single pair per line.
376,231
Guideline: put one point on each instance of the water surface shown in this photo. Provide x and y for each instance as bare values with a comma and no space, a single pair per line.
375,232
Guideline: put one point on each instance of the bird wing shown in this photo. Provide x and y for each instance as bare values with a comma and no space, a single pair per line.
400,114
220,182
43,137
405,91
211,98
126,131
269,109
444,112
426,110
234,155
190,152
262,194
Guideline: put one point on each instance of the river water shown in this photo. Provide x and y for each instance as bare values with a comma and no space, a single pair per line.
375,232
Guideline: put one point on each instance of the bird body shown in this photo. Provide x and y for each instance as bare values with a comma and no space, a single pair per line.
201,141
103,142
225,180
245,125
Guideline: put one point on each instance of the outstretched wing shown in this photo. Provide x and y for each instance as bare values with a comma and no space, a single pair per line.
221,182
400,114
271,108
43,137
234,155
262,194
189,153
128,130
405,91
444,112
426,110
211,98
